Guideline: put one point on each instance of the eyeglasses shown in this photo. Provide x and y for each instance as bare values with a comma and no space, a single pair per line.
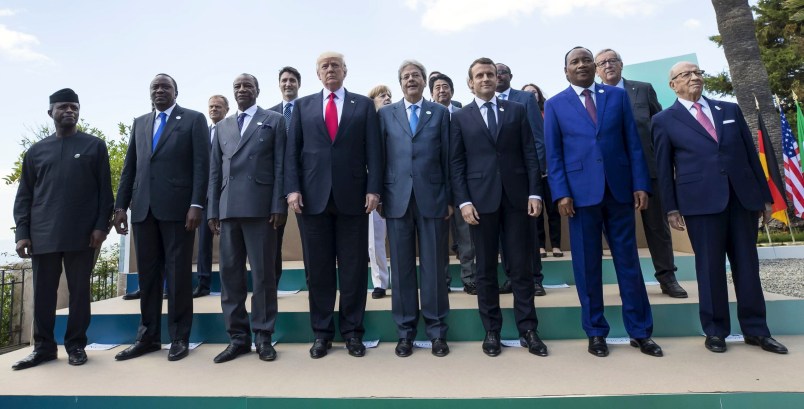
610,61
687,74
503,72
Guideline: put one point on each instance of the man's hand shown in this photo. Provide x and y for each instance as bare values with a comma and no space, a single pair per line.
97,238
193,218
278,220
676,221
372,200
565,207
450,212
470,215
24,248
534,207
295,202
766,214
214,226
120,222
640,200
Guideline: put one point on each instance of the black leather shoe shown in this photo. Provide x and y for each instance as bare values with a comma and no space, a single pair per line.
673,289
200,292
178,350
404,348
378,293
440,347
598,347
32,360
538,290
132,296
77,357
137,350
647,346
767,343
319,348
715,344
355,347
557,253
491,344
470,288
232,351
534,344
506,287
266,351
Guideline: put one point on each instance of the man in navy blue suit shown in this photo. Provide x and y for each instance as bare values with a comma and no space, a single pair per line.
712,183
598,176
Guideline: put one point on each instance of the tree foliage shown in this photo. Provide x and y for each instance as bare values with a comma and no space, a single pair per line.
117,147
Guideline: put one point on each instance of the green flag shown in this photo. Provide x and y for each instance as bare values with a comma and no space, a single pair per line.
800,129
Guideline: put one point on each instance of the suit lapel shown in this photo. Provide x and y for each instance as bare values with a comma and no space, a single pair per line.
600,104
424,116
255,123
318,115
575,101
500,117
402,117
478,118
346,114
682,115
632,91
171,124
149,131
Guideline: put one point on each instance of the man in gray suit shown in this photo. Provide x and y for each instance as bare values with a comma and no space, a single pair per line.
164,179
645,105
416,202
246,206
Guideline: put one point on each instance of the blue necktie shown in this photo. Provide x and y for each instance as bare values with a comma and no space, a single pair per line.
240,119
503,97
414,119
158,134
287,113
491,118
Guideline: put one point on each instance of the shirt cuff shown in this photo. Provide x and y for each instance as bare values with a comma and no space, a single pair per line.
198,206
460,206
672,212
535,197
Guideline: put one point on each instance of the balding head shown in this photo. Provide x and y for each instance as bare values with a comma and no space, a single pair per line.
686,80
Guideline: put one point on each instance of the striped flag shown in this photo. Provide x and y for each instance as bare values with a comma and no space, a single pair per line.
800,126
794,181
767,157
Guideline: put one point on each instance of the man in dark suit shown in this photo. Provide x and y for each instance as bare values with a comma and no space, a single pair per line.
289,83
534,116
644,105
218,107
416,204
713,184
431,81
496,186
333,178
62,210
246,206
598,176
164,179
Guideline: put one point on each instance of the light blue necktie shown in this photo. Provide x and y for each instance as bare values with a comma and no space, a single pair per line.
414,119
503,97
158,134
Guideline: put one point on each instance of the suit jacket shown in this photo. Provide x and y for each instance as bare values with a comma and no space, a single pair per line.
246,174
170,178
456,104
695,172
417,162
65,193
277,108
644,105
584,157
347,168
535,122
483,165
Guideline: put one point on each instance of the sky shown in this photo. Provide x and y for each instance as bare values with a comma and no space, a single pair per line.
109,51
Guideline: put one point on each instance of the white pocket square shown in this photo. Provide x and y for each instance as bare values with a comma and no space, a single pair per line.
728,121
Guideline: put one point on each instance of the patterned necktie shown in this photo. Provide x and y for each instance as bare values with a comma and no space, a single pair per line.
287,113
704,121
503,97
491,118
590,105
331,117
158,134
414,119
240,120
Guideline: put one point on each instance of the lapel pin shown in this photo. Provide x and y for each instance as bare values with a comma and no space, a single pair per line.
717,107
77,155
600,91
502,109
428,112
178,117
352,101
259,123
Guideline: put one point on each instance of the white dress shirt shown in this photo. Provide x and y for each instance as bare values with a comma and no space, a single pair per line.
579,90
247,120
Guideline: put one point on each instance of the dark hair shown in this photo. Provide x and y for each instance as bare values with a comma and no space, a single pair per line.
291,70
573,49
484,61
256,83
506,66
442,77
175,86
539,95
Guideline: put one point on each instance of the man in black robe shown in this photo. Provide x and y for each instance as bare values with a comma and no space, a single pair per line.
62,211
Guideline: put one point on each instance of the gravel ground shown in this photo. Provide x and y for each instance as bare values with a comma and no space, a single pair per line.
783,276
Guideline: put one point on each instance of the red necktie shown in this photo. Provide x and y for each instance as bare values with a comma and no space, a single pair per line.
590,105
704,121
331,117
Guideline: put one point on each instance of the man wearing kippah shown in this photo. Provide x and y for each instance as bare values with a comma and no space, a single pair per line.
62,212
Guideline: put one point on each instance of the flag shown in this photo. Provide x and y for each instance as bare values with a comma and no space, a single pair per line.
770,166
800,129
794,181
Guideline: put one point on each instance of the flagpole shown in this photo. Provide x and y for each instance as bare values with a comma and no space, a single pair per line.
767,233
